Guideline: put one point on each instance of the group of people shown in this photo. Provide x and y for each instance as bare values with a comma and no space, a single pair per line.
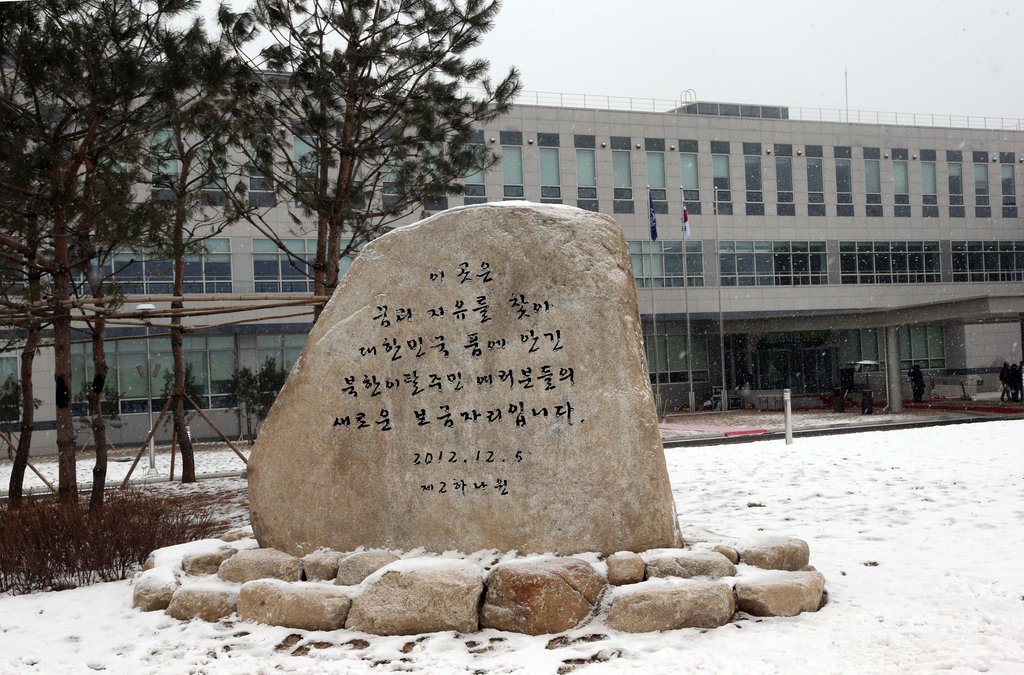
1011,388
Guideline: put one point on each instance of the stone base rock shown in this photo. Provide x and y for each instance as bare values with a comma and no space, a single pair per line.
260,563
320,565
780,593
660,606
688,563
625,567
776,553
206,563
425,596
293,605
206,602
354,568
154,589
542,596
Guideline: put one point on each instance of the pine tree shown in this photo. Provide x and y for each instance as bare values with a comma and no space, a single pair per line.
360,110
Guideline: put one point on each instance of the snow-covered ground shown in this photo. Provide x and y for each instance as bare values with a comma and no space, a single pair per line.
918,533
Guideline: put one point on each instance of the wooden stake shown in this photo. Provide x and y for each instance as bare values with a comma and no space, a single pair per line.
217,430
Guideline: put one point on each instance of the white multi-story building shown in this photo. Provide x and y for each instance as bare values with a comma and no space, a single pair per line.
815,243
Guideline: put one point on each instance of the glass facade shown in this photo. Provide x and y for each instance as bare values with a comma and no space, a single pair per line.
988,261
773,263
661,264
889,262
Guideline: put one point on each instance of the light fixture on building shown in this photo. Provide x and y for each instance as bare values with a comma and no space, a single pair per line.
530,141
768,151
885,156
799,152
603,144
637,146
993,159
913,156
671,147
492,139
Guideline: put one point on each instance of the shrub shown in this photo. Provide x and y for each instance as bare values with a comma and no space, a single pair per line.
47,546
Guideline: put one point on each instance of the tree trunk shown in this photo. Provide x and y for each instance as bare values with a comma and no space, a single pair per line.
67,488
188,460
99,423
28,411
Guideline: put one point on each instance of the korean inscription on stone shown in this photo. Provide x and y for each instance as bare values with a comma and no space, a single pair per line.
476,382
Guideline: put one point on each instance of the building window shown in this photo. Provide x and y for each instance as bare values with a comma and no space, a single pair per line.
1007,180
210,361
889,262
283,348
956,184
922,345
752,179
772,263
900,183
668,353
475,190
206,272
872,183
512,171
815,185
982,205
550,175
722,183
622,175
656,181
784,179
929,185
660,263
844,182
275,271
689,175
167,169
981,261
586,179
9,378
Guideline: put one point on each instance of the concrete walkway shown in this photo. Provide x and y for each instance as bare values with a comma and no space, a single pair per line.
749,425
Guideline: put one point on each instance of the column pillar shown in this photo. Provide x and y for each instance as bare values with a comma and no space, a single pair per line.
893,376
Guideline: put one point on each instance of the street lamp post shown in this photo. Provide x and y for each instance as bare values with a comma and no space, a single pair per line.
145,308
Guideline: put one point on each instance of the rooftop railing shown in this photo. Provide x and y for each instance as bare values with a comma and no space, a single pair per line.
837,115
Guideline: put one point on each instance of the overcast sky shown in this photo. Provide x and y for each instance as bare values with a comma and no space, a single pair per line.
926,56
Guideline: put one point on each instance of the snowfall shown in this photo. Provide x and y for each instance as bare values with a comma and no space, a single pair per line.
920,535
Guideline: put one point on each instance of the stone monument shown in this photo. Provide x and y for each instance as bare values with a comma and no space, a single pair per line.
478,381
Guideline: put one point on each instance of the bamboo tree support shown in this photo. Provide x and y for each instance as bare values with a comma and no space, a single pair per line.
7,439
145,443
220,433
41,477
174,444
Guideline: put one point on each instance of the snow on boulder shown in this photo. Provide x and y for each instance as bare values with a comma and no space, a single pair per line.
780,593
261,563
658,605
154,588
305,606
688,563
775,553
419,596
352,569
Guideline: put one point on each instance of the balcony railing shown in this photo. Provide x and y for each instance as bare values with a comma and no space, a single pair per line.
835,115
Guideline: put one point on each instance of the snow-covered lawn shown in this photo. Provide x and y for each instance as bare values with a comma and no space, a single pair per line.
918,532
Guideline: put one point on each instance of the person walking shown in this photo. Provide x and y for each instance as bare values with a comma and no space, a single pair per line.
1016,383
1004,382
917,383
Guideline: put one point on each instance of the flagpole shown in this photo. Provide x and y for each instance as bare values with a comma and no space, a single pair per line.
724,404
686,300
654,309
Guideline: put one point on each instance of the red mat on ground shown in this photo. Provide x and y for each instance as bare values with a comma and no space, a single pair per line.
710,428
